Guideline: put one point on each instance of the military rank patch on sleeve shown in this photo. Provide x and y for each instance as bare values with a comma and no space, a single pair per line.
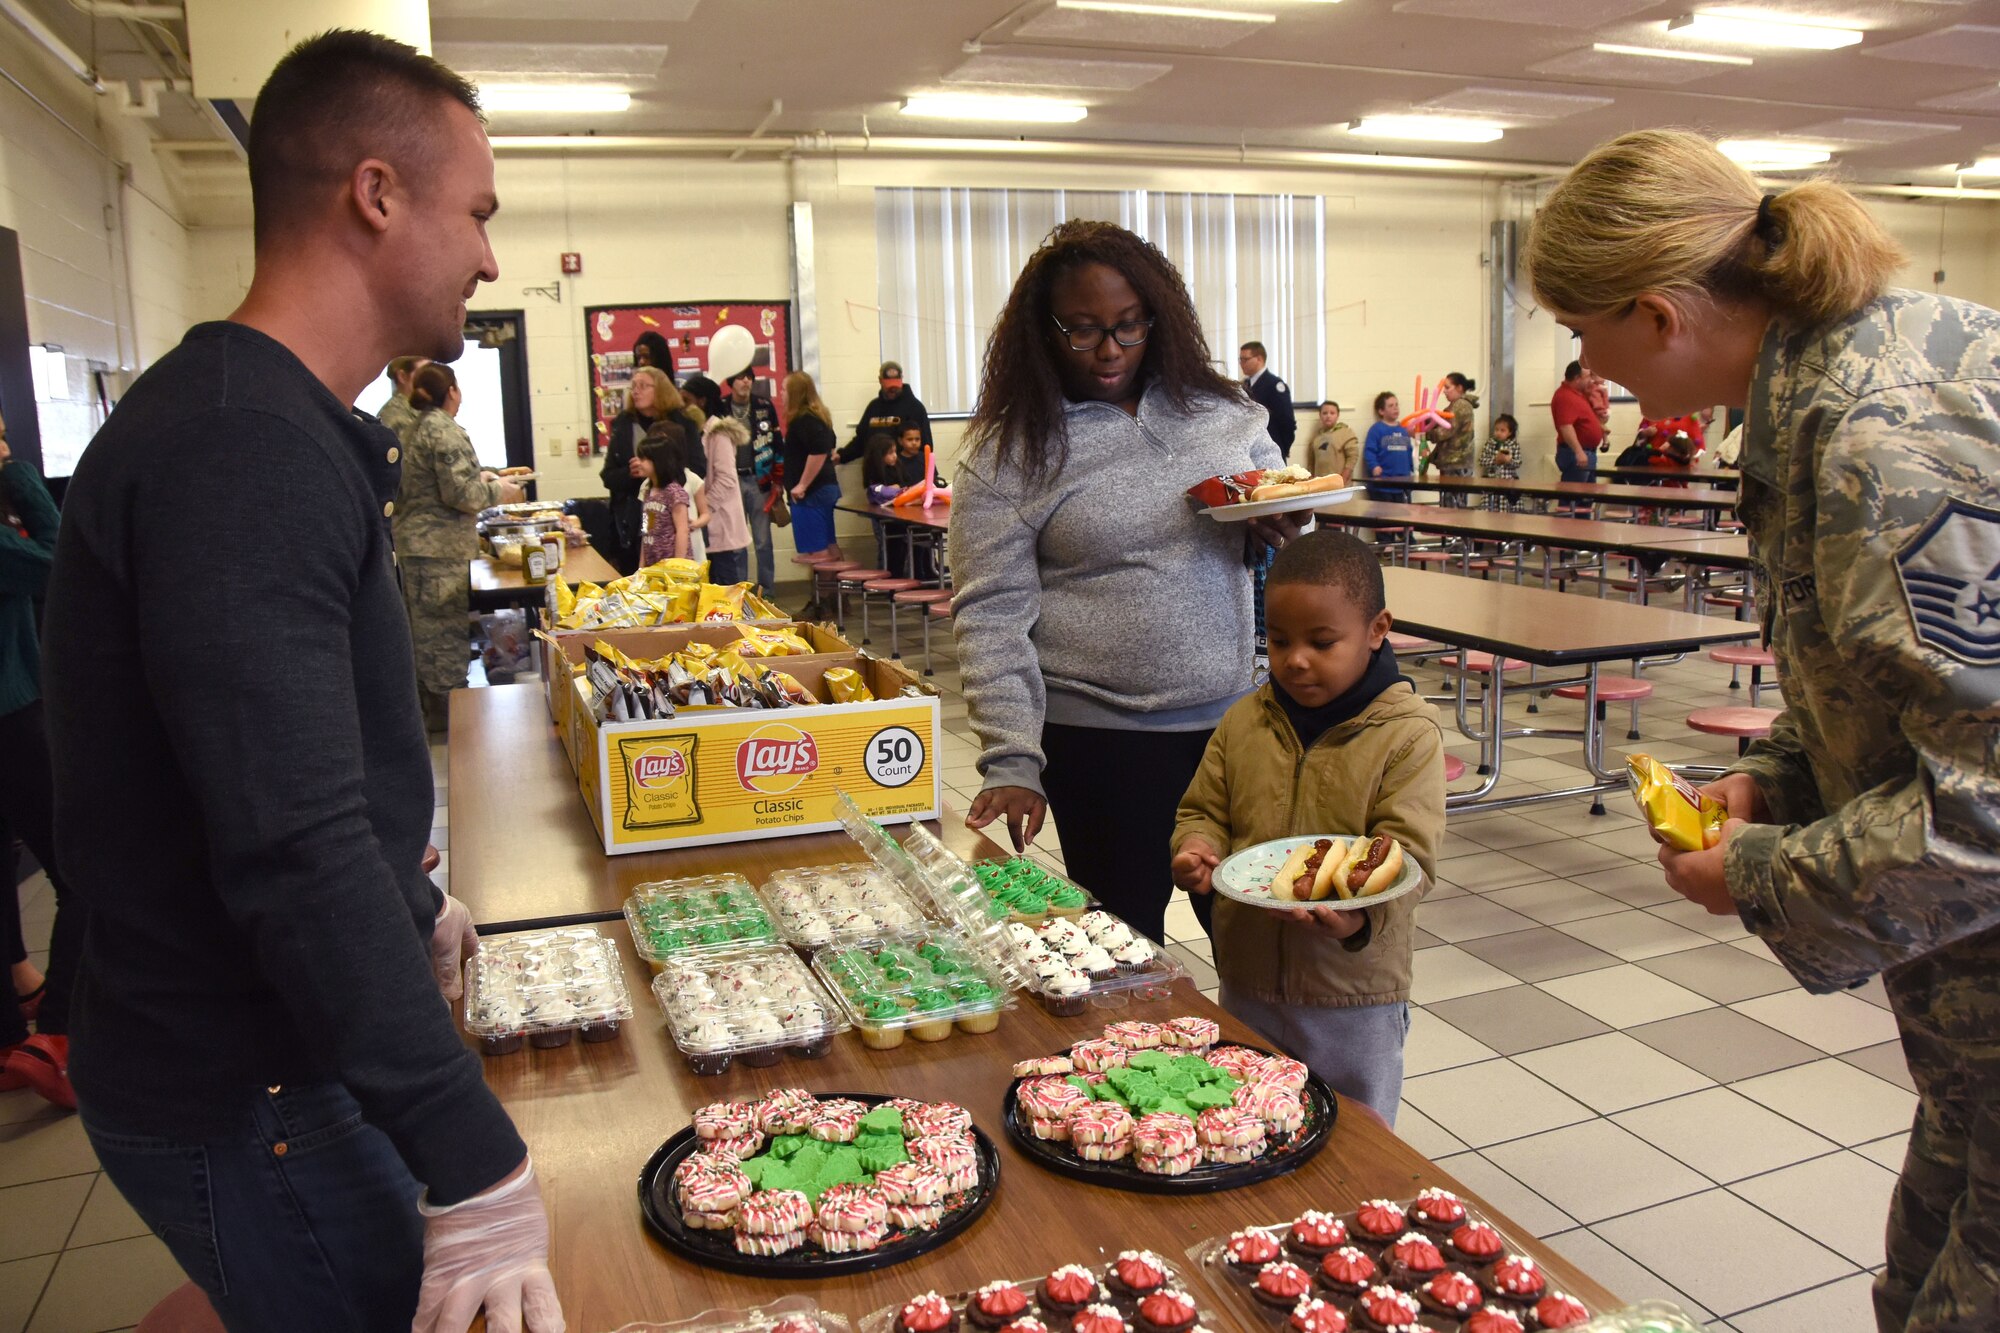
1950,571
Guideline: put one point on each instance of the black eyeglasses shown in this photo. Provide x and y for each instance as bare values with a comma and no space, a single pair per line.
1089,337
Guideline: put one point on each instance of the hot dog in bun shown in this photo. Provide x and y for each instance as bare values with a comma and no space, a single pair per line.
1309,873
1280,483
1370,866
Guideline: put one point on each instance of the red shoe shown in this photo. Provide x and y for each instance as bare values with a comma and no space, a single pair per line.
42,1063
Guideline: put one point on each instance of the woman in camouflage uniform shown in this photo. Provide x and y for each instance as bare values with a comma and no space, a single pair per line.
1452,446
437,532
1864,834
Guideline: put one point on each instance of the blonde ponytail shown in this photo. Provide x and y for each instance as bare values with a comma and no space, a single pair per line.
1664,211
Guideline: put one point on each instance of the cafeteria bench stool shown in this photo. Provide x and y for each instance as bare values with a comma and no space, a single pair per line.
1454,768
919,598
1482,665
886,589
1737,656
854,579
826,580
185,1309
1742,722
1613,690
935,611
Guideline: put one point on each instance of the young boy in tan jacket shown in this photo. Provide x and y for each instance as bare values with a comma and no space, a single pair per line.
1337,743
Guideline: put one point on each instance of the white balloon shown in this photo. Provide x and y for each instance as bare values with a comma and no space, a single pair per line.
730,351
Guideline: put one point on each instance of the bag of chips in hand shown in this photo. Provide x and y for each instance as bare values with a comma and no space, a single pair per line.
1673,808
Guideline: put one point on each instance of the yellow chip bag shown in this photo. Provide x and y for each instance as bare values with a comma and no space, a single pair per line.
757,608
1675,810
720,603
698,652
565,600
759,642
847,687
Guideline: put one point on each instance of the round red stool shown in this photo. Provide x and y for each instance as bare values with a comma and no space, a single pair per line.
1481,663
1613,690
938,610
1454,768
886,589
1745,724
853,578
1738,656
1409,643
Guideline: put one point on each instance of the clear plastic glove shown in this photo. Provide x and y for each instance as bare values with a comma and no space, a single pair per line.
491,1251
453,939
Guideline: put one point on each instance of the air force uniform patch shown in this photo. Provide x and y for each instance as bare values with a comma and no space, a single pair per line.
1950,572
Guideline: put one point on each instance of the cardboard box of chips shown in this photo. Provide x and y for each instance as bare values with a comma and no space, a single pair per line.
712,774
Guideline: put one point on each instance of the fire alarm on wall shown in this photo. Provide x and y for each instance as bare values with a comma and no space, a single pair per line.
572,263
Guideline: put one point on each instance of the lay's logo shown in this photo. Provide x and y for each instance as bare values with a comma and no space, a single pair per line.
776,758
656,768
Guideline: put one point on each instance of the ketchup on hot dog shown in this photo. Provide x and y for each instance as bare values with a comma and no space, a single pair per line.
1358,873
1303,885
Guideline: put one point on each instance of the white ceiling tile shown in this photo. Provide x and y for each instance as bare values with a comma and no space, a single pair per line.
1582,15
1972,44
1151,25
1613,67
1986,97
1865,130
603,60
1505,104
991,69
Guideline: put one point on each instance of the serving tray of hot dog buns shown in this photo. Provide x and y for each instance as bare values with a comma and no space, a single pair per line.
1347,871
1266,491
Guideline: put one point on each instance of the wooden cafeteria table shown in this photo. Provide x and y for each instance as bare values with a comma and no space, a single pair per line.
495,584
1548,629
524,852
1592,492
1640,539
593,1114
937,517
1705,476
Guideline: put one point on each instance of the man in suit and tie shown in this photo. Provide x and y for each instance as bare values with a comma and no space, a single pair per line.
1271,393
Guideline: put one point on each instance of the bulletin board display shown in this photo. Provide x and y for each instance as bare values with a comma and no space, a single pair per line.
687,326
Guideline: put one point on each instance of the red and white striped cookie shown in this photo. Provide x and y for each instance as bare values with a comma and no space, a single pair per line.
1282,1071
957,1163
936,1120
1190,1034
1134,1035
1094,1057
911,1184
1101,1122
1281,1111
853,1208
1177,1165
724,1120
697,1164
1049,1131
1239,1062
1230,1127
836,1123
849,1242
717,1191
1044,1066
708,1221
1050,1098
1163,1134
916,1216
773,1212
782,1242
785,1111
735,1148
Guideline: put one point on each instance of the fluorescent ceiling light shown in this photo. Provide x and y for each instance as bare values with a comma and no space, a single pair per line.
1165,11
554,97
1985,166
1432,129
1663,53
972,106
1774,154
1748,27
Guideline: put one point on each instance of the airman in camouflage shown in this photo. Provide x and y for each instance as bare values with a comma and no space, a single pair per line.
1871,490
437,533
398,415
1452,446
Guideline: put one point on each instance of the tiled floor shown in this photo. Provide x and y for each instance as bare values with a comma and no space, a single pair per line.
1636,1082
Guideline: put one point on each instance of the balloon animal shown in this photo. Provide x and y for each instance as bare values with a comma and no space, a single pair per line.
926,492
1428,413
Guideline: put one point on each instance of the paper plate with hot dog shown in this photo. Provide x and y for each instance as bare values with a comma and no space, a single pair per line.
1330,870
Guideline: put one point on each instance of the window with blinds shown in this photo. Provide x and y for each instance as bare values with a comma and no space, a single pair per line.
946,259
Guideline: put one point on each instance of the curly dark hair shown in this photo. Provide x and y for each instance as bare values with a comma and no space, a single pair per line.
1019,416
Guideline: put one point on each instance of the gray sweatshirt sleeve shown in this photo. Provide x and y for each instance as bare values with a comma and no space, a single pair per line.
997,604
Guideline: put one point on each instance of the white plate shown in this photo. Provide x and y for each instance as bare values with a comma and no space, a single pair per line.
1284,504
1247,875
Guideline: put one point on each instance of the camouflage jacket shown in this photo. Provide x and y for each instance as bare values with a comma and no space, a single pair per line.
397,415
1451,447
438,504
1871,490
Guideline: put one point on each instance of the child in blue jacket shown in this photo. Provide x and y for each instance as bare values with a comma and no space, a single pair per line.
1388,452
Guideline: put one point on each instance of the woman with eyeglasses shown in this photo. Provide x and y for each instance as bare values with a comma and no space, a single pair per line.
1103,624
